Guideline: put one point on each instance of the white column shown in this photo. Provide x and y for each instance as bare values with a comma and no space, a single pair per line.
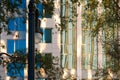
79,42
100,55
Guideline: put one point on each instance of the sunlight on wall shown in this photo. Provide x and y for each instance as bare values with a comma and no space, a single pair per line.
27,2
3,46
57,4
56,18
43,22
25,74
26,35
119,3
58,40
100,1
7,77
16,34
89,72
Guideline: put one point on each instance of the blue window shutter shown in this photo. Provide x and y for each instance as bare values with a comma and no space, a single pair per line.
20,45
47,35
15,69
22,3
11,24
17,24
12,2
40,9
10,46
20,25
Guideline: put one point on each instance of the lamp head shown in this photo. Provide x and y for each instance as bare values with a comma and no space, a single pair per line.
37,22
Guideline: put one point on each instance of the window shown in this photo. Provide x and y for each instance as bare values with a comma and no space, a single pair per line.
46,59
17,24
47,35
45,11
20,3
40,9
16,45
15,69
89,50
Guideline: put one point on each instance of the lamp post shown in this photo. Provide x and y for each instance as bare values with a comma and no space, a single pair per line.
31,46
33,17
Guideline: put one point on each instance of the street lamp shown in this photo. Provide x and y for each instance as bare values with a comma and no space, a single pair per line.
33,24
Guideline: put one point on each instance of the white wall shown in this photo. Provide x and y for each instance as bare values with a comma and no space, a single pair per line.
53,47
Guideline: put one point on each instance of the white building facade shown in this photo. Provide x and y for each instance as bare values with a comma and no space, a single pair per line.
80,50
18,38
64,36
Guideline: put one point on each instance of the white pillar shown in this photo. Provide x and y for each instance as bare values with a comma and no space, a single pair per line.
79,42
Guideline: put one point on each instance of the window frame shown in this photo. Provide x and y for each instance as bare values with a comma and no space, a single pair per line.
44,35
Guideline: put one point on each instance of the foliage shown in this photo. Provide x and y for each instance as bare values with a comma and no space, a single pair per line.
49,7
103,17
50,64
100,15
70,13
112,67
18,60
11,9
